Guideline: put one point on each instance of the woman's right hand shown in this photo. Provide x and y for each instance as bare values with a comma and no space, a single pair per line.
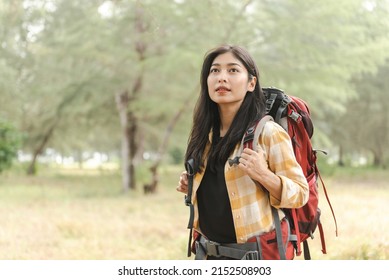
183,183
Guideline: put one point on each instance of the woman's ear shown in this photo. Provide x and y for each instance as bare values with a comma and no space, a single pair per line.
252,83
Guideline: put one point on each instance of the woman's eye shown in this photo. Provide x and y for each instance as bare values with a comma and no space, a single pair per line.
233,70
213,70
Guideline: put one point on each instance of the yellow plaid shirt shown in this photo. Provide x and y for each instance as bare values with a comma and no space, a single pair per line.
250,204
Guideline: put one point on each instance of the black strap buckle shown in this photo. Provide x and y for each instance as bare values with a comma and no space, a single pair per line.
234,161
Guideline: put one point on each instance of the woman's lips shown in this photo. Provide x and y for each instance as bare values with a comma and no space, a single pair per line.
222,89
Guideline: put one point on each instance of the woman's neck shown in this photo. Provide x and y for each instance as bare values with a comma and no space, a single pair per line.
227,116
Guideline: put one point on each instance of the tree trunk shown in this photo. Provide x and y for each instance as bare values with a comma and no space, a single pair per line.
133,131
152,187
31,170
341,160
80,159
46,137
378,159
128,118
122,100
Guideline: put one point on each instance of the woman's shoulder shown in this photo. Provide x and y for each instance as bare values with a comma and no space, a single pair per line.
272,126
274,132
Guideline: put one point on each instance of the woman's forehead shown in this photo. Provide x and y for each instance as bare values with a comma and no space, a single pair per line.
227,59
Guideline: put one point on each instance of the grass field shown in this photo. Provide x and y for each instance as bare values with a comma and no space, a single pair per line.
78,216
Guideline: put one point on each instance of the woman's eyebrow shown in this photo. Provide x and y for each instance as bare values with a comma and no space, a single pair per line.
228,64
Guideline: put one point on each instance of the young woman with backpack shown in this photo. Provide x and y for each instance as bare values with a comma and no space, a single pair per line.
232,214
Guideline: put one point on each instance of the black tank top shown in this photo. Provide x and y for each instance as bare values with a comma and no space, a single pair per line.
215,215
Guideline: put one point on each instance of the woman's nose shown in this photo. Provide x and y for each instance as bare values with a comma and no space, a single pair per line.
222,77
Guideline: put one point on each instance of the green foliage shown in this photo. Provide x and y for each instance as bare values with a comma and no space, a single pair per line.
325,168
9,144
63,61
364,127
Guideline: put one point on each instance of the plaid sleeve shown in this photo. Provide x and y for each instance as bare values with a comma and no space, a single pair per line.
278,149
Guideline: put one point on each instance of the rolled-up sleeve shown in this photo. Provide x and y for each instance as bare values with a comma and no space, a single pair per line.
278,149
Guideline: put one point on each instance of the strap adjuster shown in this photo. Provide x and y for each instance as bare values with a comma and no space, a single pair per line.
234,161
295,116
251,255
187,200
212,248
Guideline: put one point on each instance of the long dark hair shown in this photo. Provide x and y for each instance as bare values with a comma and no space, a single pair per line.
206,115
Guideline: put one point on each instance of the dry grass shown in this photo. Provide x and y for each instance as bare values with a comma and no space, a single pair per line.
88,217
359,202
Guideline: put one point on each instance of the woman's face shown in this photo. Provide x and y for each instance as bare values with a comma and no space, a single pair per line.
228,80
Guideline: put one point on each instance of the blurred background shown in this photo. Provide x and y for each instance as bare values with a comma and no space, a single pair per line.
96,101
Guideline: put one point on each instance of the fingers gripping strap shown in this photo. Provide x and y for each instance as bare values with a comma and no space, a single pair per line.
250,138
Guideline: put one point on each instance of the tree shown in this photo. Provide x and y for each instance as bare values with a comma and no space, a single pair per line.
56,70
75,68
366,120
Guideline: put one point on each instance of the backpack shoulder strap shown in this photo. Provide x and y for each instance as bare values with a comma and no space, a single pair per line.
250,139
189,166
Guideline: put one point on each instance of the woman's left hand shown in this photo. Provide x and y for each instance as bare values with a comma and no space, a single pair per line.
253,163
257,168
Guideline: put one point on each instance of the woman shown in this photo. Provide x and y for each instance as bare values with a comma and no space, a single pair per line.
233,204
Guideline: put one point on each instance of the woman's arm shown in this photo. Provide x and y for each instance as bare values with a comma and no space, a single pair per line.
274,166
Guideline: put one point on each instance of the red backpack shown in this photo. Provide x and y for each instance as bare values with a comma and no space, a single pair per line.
293,114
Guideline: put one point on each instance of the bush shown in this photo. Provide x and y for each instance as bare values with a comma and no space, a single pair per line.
9,144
